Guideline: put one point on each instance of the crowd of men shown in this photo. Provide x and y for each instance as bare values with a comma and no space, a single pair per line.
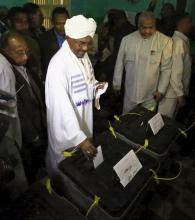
148,67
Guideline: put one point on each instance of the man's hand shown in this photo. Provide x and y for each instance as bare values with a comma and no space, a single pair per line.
100,85
181,101
88,148
157,96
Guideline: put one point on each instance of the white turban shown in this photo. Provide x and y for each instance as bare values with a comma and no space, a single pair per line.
79,27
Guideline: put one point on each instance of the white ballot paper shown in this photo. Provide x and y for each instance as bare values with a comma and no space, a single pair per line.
127,167
98,159
156,123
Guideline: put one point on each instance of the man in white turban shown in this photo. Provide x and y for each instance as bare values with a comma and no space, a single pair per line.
70,88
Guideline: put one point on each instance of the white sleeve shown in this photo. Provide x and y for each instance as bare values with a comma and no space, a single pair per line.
165,67
62,121
177,68
7,80
119,66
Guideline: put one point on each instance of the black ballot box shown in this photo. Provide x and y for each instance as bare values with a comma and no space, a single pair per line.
83,182
133,128
37,203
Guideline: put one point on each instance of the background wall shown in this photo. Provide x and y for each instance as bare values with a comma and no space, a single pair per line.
98,8
10,3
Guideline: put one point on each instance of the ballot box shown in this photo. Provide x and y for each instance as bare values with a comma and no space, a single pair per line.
134,128
40,204
83,183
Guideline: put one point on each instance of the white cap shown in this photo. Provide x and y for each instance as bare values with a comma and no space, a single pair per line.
79,26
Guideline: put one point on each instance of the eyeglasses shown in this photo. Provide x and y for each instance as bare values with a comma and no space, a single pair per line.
22,52
80,43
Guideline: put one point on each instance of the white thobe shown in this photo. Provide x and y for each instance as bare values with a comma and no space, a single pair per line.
69,94
180,75
147,63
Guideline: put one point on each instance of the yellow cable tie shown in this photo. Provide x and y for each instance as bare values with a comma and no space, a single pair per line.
166,179
116,117
146,144
93,205
68,154
48,185
112,130
152,109
183,132
154,176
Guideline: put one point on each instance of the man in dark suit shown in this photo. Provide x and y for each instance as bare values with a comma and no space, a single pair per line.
52,40
18,21
29,103
35,17
119,27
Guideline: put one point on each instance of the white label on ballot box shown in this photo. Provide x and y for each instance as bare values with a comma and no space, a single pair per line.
98,159
127,167
156,123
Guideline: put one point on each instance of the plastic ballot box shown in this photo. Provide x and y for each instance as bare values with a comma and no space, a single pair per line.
39,203
100,192
135,128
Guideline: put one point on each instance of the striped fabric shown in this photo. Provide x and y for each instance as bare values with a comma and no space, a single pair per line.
78,83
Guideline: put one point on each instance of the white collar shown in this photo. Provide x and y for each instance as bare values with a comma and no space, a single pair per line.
83,63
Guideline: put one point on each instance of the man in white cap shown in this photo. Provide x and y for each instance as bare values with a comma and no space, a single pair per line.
70,88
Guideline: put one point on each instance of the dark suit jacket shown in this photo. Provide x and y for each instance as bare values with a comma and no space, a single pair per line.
108,65
30,108
48,46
